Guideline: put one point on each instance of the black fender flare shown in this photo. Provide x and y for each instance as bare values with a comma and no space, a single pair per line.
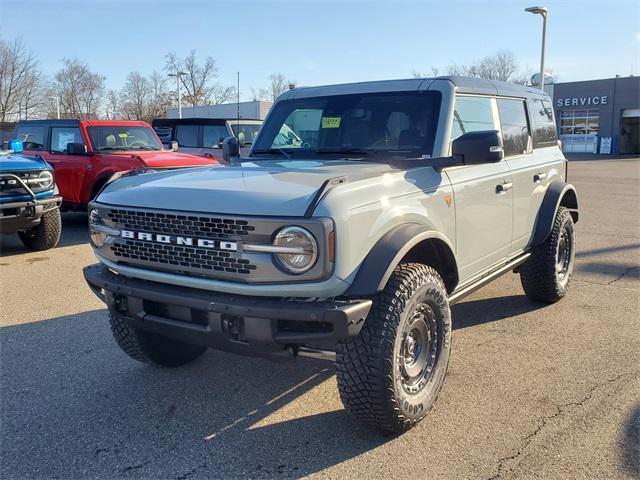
558,194
386,254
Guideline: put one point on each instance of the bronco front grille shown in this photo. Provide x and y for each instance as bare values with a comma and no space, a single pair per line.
184,259
175,224
182,256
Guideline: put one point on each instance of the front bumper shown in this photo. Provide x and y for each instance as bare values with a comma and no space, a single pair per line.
23,215
236,323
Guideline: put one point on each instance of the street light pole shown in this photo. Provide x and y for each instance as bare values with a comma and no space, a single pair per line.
544,11
178,75
57,106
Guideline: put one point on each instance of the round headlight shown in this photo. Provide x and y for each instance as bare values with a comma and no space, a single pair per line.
45,179
98,237
300,250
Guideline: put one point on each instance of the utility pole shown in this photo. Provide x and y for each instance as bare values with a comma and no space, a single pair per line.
178,75
544,11
57,106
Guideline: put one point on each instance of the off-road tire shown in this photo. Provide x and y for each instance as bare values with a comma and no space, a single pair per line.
369,365
46,234
540,278
147,347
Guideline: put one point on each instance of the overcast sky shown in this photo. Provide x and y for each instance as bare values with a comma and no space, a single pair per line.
321,42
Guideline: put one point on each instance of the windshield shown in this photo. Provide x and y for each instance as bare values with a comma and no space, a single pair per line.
246,133
123,137
396,123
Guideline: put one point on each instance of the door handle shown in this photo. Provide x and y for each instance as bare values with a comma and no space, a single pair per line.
503,187
538,177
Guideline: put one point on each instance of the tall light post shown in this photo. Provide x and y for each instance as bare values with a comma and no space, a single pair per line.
544,12
178,75
57,105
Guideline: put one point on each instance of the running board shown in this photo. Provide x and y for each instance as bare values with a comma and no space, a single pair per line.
468,289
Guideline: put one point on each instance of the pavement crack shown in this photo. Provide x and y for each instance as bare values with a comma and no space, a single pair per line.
135,467
560,409
623,274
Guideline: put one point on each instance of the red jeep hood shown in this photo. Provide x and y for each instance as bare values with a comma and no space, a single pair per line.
169,159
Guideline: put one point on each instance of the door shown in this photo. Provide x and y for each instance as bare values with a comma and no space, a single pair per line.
70,170
483,195
534,158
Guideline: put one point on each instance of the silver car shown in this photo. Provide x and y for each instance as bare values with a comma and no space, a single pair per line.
362,212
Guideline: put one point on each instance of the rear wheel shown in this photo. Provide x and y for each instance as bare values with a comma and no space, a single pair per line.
46,234
151,348
391,373
547,274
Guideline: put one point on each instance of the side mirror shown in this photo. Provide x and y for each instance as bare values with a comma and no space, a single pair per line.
230,149
173,146
16,145
76,149
474,148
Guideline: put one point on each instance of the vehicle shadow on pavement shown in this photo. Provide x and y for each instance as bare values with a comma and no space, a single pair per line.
74,232
475,312
73,405
631,444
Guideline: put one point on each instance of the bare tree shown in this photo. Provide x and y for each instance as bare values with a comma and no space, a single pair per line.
199,79
112,104
278,84
136,96
160,98
79,89
501,66
20,81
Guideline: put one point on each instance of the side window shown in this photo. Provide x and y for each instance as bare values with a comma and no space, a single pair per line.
62,136
471,114
212,135
187,135
544,128
515,127
31,136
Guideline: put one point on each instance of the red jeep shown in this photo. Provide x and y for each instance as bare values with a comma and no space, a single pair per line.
85,153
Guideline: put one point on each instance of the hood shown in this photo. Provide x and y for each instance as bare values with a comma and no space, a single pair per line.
13,162
167,158
270,188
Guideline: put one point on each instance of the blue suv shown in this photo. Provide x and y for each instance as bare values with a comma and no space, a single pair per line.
29,200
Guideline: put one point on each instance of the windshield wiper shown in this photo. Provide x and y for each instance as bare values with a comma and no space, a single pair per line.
111,148
275,151
351,151
144,148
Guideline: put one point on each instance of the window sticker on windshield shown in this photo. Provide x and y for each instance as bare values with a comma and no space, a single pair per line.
123,135
330,122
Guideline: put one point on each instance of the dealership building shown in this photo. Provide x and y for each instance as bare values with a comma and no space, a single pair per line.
598,116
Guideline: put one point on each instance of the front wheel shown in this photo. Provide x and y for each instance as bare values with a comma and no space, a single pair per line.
546,275
46,234
389,376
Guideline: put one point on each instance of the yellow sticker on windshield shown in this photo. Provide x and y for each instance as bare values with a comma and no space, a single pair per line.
330,122
123,135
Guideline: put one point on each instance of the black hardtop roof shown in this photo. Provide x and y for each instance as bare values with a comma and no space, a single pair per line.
161,122
67,122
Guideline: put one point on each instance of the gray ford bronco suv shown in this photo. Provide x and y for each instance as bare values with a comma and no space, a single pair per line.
390,201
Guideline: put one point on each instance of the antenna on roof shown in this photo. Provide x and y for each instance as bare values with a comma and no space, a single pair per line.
238,101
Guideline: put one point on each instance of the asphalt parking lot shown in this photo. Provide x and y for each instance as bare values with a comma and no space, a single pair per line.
532,391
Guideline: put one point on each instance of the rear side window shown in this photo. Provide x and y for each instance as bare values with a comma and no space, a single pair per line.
31,136
187,135
515,127
544,128
471,114
63,136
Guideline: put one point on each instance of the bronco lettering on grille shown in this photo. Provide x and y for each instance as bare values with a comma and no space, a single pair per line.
177,240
